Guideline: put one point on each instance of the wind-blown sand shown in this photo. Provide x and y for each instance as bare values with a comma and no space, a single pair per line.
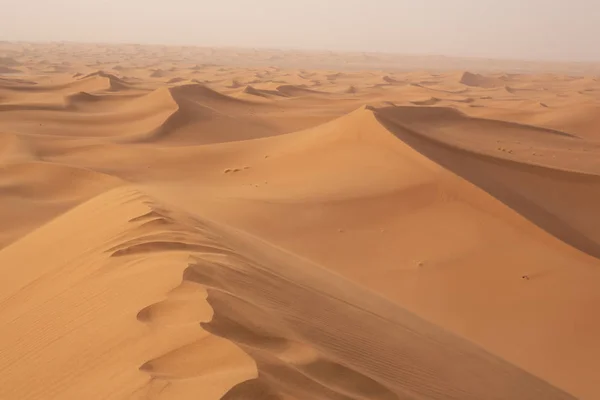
180,223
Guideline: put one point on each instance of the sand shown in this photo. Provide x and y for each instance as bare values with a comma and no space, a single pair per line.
190,223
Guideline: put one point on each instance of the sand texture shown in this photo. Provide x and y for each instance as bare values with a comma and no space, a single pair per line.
189,223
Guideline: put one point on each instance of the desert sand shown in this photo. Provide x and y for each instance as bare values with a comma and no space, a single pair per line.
194,223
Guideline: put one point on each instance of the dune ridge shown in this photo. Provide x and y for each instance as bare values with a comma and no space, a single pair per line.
296,352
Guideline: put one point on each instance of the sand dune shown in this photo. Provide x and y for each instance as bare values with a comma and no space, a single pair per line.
478,80
9,62
204,115
8,70
232,290
261,92
234,224
294,91
429,102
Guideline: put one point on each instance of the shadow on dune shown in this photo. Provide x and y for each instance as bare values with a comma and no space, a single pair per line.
560,202
405,115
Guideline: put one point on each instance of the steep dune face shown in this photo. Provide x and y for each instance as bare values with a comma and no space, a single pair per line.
261,92
296,91
477,80
207,116
540,193
115,82
213,308
228,231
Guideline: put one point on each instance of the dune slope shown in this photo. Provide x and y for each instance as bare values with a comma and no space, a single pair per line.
183,306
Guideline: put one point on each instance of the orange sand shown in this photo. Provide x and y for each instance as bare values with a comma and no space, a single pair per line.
181,223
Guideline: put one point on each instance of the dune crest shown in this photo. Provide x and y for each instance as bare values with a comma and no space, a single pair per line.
252,300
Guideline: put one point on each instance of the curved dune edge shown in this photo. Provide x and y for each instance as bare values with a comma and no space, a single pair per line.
512,182
201,115
478,80
279,325
184,114
526,187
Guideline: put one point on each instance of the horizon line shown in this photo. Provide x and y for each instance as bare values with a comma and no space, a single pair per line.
312,50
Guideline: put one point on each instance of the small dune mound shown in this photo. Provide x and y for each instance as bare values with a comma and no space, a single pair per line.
305,75
176,80
466,100
261,92
477,80
116,83
351,90
82,97
77,75
58,69
429,102
296,90
158,73
9,62
252,90
507,77
202,93
8,70
104,74
235,84
390,80
428,82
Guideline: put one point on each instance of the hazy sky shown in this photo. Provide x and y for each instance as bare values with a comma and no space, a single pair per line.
532,29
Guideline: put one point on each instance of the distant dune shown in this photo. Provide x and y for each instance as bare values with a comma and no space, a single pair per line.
477,80
9,62
8,70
